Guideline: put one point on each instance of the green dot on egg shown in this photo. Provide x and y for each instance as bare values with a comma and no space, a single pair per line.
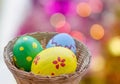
21,48
29,58
14,58
21,68
34,45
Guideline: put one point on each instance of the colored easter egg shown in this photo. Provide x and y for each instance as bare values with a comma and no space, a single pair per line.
24,50
63,40
54,61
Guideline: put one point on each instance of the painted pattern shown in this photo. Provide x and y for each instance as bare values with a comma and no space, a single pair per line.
36,60
24,51
34,45
57,44
52,74
29,58
59,62
54,61
14,58
21,48
22,68
63,40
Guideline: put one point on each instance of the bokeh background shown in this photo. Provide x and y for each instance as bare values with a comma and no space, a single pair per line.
94,22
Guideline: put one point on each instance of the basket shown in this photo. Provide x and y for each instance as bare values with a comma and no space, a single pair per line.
23,77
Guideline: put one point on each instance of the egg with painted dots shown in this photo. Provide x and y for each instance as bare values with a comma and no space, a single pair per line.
54,61
63,40
24,50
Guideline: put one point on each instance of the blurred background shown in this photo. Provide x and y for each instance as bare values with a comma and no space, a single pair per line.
94,22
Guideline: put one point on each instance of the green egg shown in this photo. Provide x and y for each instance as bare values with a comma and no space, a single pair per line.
24,51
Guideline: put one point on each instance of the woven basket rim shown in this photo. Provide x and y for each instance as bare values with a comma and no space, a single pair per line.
38,77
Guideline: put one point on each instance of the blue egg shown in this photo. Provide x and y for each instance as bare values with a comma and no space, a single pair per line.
63,40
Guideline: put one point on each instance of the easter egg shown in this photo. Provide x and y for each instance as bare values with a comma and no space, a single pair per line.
54,61
63,40
24,50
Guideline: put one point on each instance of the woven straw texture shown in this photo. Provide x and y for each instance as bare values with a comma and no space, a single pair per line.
22,77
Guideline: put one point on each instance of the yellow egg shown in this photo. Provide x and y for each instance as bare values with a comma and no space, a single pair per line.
54,61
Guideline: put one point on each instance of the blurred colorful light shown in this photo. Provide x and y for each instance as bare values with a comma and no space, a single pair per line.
114,46
57,20
96,31
54,6
78,35
96,6
97,63
83,9
66,28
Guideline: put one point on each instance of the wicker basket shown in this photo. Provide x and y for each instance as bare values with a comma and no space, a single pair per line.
22,77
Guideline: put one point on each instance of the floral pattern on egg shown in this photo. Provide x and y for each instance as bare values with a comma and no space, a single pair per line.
54,61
